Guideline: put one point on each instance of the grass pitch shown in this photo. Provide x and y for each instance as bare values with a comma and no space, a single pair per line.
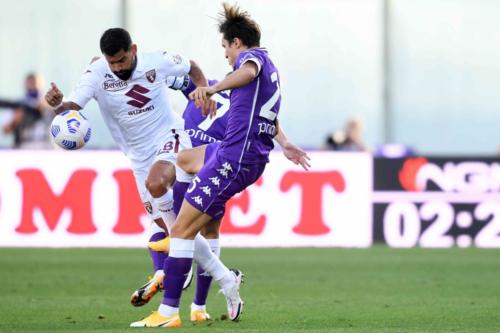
286,290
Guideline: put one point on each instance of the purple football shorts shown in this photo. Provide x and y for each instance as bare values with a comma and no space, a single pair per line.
218,181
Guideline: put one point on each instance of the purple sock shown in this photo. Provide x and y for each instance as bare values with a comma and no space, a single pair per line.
180,189
203,281
176,270
158,258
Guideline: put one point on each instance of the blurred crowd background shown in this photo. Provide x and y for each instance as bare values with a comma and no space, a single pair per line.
384,76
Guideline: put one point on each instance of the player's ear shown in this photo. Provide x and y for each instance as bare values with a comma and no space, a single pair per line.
133,49
237,42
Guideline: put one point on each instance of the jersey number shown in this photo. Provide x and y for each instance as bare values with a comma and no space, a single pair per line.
221,111
266,109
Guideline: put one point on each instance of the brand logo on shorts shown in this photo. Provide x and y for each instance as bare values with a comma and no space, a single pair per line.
198,200
151,75
215,180
148,207
206,190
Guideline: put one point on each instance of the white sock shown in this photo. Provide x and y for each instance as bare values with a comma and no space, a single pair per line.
167,310
204,257
198,307
182,248
165,205
214,246
158,273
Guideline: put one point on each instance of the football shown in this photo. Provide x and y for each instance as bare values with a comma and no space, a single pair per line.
70,130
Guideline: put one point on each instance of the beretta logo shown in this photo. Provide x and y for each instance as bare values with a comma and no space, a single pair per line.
114,85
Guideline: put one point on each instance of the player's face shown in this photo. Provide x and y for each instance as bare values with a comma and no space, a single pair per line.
123,63
231,50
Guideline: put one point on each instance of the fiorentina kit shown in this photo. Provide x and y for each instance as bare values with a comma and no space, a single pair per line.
240,158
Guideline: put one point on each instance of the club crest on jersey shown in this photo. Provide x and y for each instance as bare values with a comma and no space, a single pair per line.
148,207
151,75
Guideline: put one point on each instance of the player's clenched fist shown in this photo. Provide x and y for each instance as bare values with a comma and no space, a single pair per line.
54,96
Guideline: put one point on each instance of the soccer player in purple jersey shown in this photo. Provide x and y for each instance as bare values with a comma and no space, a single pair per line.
202,131
234,164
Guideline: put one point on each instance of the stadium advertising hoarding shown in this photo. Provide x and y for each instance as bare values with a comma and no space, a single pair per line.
89,199
437,202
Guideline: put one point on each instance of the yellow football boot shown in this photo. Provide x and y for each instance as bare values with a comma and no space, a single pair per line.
199,315
155,319
142,295
163,245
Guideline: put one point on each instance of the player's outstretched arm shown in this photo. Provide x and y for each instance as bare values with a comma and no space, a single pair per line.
239,78
291,151
54,98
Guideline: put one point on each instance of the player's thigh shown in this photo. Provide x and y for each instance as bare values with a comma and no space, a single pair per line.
163,170
192,160
189,222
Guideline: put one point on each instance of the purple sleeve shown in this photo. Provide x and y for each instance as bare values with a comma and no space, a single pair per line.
189,89
192,87
249,56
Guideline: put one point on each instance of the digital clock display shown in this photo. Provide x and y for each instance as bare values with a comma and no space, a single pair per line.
436,202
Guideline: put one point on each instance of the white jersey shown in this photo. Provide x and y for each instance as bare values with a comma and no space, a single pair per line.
137,111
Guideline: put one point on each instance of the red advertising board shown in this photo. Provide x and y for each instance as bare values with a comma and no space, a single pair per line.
89,199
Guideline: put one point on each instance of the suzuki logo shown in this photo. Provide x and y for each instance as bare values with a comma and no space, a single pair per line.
137,93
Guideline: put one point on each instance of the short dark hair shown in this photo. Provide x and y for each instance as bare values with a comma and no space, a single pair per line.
114,40
236,23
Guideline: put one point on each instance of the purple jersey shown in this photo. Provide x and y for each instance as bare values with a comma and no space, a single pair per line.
201,129
252,114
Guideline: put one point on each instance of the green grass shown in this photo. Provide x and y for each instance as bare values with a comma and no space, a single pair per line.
286,290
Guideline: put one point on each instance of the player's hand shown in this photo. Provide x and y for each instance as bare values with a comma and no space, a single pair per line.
201,97
54,96
296,155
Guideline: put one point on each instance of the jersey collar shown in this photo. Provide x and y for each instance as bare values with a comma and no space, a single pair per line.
140,68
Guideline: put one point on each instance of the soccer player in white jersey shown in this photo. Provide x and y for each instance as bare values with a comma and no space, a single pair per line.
129,87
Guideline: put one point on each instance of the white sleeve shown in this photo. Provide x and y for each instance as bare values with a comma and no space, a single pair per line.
255,60
175,65
84,90
177,82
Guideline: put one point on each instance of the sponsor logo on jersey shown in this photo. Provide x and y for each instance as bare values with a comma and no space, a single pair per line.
108,76
200,135
139,111
151,75
139,100
266,128
114,85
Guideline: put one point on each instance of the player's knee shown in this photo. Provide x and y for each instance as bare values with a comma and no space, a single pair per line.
211,234
156,186
211,231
